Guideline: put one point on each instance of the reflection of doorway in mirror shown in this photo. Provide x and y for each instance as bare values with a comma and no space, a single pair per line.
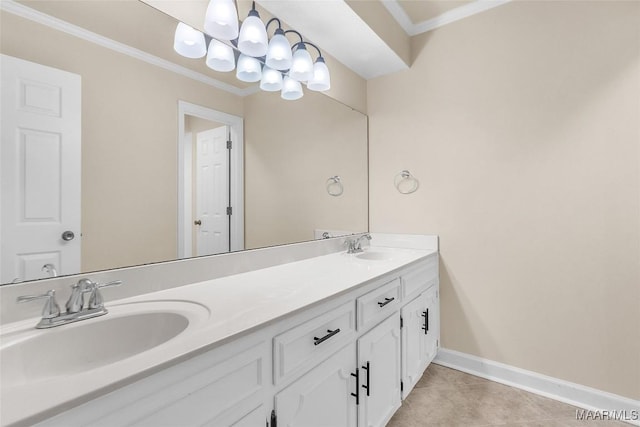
40,171
211,198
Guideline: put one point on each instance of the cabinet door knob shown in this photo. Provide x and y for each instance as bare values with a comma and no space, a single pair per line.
197,222
357,393
425,327
368,386
386,301
330,333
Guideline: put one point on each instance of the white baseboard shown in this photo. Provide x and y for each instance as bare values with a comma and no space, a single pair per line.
553,388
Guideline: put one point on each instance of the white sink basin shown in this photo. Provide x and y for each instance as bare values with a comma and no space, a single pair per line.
374,255
29,354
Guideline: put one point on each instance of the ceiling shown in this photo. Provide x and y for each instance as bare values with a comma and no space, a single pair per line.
422,10
371,38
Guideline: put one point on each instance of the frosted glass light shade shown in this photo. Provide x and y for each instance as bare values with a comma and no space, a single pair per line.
291,89
279,52
188,42
302,65
271,80
220,57
249,69
253,36
321,80
221,20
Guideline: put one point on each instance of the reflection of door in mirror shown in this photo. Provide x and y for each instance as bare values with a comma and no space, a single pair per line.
211,193
40,170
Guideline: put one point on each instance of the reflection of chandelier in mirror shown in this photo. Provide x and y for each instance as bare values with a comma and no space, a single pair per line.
274,63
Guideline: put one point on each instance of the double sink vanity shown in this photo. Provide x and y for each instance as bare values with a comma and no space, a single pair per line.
337,339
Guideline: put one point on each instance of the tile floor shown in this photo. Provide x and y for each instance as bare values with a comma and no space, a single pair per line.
446,397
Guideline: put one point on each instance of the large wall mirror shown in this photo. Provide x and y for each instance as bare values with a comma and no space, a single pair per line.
150,177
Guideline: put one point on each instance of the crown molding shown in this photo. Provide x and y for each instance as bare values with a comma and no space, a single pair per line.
22,11
447,17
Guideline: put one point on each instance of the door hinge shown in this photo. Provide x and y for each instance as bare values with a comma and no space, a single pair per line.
229,145
229,210
401,322
274,419
401,386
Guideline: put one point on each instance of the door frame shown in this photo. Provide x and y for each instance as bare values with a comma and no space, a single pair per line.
185,171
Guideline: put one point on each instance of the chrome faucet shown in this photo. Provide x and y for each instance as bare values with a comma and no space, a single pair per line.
354,246
76,307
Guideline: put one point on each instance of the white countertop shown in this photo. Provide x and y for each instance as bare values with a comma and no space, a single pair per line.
233,306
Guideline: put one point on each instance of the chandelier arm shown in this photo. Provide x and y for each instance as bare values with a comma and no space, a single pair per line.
298,34
272,20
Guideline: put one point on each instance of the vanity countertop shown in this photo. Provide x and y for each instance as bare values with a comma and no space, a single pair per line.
235,305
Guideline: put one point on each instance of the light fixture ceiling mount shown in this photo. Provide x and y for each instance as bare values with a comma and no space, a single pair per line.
247,48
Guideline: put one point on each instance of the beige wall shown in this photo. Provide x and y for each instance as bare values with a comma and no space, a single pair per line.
291,149
129,142
522,124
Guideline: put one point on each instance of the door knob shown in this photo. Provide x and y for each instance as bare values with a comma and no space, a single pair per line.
68,235
197,222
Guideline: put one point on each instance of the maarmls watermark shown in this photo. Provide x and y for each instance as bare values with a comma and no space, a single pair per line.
613,415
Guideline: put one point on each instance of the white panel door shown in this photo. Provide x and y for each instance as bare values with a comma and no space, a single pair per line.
40,170
212,193
322,397
379,362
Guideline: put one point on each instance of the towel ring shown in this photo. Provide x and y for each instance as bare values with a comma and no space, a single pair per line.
334,186
406,183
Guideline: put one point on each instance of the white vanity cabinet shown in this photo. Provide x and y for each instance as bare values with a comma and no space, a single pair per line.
345,362
396,339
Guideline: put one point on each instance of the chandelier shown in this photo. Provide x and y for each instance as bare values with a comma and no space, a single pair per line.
275,63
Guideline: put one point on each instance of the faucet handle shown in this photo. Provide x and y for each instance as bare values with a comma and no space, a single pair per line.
109,284
96,300
51,308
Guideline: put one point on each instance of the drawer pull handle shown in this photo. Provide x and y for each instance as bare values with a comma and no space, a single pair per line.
357,393
320,340
425,327
368,386
386,301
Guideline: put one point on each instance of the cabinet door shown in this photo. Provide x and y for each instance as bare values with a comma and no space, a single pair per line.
322,397
414,343
432,324
379,363
420,337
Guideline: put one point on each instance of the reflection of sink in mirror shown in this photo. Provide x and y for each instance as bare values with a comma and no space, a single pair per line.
371,255
29,354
